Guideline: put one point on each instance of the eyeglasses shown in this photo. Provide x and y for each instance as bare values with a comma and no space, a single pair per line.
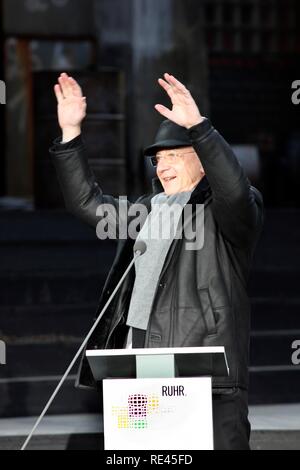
168,158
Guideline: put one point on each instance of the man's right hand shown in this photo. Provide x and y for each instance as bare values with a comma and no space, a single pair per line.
71,106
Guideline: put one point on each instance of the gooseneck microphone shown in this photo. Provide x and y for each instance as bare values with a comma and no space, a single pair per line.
139,249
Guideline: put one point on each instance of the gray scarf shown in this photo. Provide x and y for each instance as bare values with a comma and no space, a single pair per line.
158,232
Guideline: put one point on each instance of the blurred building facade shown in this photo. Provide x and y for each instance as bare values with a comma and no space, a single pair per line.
238,58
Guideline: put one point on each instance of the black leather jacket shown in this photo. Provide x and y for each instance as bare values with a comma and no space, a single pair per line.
201,298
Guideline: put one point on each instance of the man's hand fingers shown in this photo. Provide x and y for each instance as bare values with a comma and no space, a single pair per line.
167,87
69,86
75,87
173,87
178,87
174,82
65,85
58,94
167,113
184,111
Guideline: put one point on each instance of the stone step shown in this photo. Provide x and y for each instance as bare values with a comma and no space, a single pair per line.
28,397
279,246
51,288
40,356
271,313
71,319
273,347
277,384
273,282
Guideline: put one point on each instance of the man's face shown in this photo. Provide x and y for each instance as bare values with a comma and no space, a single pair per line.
178,169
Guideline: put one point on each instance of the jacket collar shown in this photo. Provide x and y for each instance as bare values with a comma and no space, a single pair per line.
201,191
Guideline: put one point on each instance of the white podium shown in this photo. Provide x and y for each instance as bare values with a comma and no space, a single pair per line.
158,399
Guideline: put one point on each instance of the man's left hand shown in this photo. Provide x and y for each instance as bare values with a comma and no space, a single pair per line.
184,111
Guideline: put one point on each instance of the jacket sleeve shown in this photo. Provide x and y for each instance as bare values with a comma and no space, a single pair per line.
237,206
82,195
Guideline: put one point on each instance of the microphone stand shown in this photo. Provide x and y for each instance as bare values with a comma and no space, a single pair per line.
139,249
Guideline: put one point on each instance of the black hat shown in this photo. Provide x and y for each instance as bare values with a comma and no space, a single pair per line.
169,135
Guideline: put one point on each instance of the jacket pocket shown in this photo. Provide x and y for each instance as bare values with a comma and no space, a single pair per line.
207,311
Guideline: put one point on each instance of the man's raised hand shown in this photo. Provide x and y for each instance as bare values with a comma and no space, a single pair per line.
184,110
71,106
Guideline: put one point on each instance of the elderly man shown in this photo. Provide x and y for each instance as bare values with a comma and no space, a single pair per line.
175,296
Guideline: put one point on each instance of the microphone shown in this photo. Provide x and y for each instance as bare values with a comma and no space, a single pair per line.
139,249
